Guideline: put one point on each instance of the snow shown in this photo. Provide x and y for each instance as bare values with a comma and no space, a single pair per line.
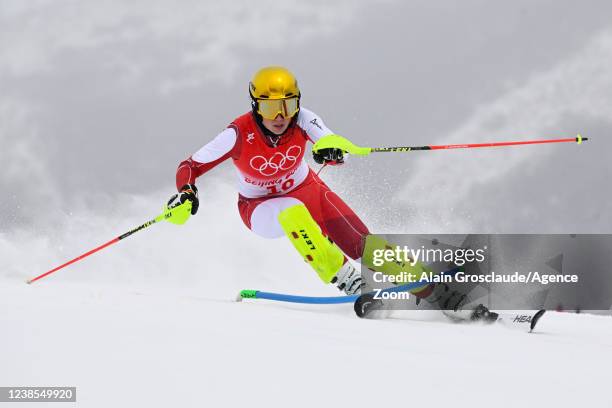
152,322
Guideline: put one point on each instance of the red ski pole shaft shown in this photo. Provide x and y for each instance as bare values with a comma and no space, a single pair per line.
176,215
93,251
579,139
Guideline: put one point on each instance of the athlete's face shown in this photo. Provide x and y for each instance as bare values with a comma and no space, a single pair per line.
277,125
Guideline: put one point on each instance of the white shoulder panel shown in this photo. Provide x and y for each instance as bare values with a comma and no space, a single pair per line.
220,145
312,124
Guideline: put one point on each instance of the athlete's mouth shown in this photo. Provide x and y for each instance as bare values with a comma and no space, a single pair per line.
278,128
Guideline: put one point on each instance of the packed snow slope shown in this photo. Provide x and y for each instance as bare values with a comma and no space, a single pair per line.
152,322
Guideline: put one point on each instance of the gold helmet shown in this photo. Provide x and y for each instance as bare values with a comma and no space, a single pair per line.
274,90
273,83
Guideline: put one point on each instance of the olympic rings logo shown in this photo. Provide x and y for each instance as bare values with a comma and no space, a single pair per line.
276,163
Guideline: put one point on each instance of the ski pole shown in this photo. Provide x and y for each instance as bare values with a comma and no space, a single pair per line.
177,215
338,142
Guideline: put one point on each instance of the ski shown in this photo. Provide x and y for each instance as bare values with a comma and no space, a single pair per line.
520,320
366,304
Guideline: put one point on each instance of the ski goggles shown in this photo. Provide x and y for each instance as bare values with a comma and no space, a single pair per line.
271,108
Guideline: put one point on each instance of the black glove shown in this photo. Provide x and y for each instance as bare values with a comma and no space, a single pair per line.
188,192
329,156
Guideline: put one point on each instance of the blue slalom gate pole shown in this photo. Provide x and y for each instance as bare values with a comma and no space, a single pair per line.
327,300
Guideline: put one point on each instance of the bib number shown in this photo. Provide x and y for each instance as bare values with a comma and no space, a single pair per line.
285,185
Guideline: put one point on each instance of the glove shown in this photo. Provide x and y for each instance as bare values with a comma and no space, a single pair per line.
330,156
189,192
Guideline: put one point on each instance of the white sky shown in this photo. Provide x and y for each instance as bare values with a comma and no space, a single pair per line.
101,99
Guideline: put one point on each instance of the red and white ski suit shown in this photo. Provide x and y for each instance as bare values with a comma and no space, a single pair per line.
272,178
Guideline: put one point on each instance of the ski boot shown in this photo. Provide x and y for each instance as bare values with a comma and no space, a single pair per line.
455,304
482,314
348,279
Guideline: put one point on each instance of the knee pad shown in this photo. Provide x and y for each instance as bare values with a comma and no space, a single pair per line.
305,234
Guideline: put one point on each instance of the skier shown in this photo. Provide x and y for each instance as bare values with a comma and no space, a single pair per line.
280,195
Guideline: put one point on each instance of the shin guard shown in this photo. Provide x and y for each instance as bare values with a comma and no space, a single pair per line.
306,236
375,243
